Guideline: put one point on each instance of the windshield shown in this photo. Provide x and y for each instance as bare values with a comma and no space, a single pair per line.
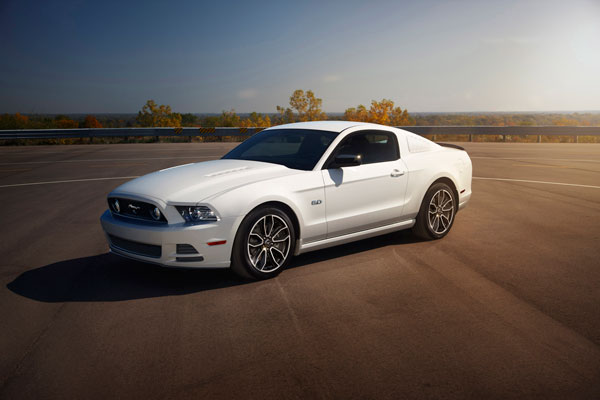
294,148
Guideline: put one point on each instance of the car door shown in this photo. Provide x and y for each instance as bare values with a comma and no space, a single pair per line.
369,195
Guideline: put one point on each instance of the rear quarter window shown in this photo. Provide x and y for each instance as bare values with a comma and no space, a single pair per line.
417,144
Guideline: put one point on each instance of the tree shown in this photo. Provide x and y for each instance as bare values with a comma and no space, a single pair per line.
307,106
359,113
381,112
91,122
64,122
564,121
16,121
155,115
286,115
314,112
229,119
257,120
189,119
299,102
401,117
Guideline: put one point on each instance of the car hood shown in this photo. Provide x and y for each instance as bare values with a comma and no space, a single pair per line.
192,183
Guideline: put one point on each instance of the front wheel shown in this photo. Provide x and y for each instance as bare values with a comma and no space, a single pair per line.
263,244
437,212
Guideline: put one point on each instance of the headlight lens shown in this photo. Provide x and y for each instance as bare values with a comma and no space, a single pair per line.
114,204
197,214
155,213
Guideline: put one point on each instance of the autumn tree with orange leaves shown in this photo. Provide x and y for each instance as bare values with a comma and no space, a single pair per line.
91,122
153,114
381,112
308,107
256,120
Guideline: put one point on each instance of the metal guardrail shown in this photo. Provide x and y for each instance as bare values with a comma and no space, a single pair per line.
188,131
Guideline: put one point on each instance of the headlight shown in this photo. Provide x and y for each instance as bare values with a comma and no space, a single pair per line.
114,204
155,213
197,214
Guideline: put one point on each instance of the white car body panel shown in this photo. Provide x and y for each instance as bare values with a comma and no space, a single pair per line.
364,197
331,206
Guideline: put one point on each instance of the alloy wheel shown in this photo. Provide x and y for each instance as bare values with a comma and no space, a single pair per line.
268,243
441,212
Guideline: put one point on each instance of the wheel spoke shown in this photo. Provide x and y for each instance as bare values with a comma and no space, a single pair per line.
282,240
256,244
279,251
449,202
436,223
444,224
265,226
273,256
272,225
258,257
278,232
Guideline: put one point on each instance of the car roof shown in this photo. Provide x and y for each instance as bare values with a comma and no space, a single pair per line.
332,126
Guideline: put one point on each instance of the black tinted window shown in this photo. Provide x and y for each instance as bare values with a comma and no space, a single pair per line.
373,146
294,148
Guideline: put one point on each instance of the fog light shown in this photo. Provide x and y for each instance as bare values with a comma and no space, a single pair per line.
155,213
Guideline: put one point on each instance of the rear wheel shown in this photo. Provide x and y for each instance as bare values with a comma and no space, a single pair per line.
437,212
264,244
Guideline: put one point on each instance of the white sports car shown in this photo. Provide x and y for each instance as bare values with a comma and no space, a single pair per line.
288,190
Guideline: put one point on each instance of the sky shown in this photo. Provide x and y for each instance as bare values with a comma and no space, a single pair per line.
205,57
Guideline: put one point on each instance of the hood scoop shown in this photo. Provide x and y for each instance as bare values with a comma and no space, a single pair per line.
226,171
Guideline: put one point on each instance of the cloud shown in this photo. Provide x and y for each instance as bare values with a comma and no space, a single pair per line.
331,78
247,94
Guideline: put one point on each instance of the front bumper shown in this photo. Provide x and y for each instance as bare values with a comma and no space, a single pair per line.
463,199
125,238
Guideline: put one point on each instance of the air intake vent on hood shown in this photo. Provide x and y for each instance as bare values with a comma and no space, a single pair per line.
226,171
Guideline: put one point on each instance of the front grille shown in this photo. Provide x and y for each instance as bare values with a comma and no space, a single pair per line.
143,249
186,249
134,209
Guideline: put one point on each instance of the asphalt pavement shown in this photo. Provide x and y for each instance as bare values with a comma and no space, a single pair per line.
506,306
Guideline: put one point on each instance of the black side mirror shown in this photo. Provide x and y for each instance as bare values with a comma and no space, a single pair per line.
347,160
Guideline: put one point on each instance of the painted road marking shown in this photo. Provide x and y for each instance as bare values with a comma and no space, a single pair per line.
132,177
103,160
15,170
202,146
542,166
69,181
541,182
535,158
118,165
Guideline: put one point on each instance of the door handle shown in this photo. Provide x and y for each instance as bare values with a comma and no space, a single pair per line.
396,173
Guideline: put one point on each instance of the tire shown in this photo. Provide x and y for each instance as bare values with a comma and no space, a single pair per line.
437,213
264,244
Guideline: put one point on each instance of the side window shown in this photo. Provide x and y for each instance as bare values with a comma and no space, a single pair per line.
373,146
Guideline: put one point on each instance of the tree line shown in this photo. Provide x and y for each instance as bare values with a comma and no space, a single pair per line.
303,106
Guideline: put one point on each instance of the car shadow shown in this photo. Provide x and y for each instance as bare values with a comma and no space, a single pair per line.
390,239
107,277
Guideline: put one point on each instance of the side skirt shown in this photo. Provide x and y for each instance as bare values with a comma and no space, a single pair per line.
351,237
